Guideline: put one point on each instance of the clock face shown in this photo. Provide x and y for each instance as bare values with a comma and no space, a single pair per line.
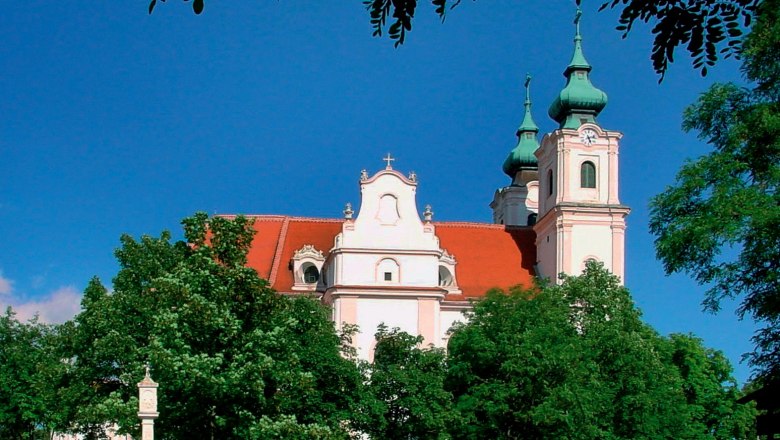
588,136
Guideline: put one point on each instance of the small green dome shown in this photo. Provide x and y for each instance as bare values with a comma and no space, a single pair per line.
522,156
579,101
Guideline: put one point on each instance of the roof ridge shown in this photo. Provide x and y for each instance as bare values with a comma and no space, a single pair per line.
316,219
291,218
482,225
266,217
261,217
278,252
278,217
470,224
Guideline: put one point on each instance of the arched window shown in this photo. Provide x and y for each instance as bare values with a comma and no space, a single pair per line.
445,276
589,260
587,175
306,266
310,274
388,271
549,183
531,219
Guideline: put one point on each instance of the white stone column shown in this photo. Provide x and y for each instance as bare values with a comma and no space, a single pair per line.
147,406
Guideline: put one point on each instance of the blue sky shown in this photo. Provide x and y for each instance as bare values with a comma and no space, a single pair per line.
113,121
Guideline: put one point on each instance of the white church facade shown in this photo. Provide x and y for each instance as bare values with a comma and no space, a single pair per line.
388,263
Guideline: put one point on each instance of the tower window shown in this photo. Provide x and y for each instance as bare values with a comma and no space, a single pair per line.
588,175
531,219
549,183
388,276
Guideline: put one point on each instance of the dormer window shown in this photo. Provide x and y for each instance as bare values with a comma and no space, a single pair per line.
307,266
447,279
310,274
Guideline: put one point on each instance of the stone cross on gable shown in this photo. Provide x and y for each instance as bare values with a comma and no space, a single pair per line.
389,159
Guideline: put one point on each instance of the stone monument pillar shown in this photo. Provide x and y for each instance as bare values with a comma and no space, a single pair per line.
147,406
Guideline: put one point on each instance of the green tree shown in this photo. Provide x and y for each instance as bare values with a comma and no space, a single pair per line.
407,388
575,361
710,390
30,375
706,29
234,359
720,221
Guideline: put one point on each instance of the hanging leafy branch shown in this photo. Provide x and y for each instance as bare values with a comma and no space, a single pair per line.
402,12
707,29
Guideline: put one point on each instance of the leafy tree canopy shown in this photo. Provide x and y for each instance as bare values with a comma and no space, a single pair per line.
30,374
234,359
575,361
720,221
706,29
406,385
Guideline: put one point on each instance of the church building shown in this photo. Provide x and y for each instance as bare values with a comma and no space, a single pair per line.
388,263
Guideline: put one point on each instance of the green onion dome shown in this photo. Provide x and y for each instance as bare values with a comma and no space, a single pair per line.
579,101
522,156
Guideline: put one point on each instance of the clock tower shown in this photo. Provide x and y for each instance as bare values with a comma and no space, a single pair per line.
580,216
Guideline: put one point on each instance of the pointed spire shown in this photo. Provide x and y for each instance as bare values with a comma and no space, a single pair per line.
578,60
579,101
528,123
522,156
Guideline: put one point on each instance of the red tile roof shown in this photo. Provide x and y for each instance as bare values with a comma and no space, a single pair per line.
487,255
